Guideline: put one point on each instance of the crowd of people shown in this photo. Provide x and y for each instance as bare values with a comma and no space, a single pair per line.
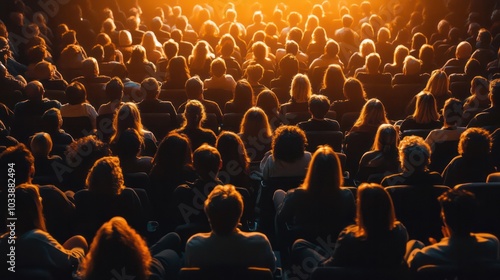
147,137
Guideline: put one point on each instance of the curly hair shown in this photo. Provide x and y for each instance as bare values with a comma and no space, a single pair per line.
106,177
289,143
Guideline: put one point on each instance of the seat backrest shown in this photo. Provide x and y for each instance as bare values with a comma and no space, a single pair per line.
104,125
158,123
460,90
416,132
225,273
176,96
211,123
442,154
96,94
348,120
283,94
294,118
77,127
219,96
488,197
332,138
489,271
417,207
231,122
58,95
493,178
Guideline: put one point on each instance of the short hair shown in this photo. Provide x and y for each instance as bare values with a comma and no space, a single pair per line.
206,161
255,72
76,93
151,86
411,65
347,20
373,62
366,47
34,90
52,120
90,67
318,106
259,50
218,67
224,207
294,18
23,161
106,177
295,34
128,144
291,47
114,89
289,65
475,143
332,48
495,92
41,144
289,143
459,208
353,89
452,111
171,48
414,153
383,35
194,87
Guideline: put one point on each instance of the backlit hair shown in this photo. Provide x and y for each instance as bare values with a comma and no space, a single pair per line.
438,84
375,211
224,207
425,108
300,90
324,161
255,123
372,114
106,177
414,153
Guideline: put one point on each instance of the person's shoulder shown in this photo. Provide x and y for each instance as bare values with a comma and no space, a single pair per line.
198,238
255,237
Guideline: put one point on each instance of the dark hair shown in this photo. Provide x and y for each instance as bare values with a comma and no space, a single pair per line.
23,161
114,89
243,94
495,92
353,89
459,208
76,93
233,153
375,211
452,111
128,144
267,101
318,106
324,161
194,87
206,161
173,153
29,209
289,65
289,143
475,144
52,120
224,207
84,152
106,177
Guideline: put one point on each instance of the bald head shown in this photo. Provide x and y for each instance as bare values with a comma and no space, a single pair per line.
464,50
34,91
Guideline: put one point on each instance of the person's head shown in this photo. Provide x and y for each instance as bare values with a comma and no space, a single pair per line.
473,68
207,161
90,68
76,93
334,76
170,48
367,31
372,63
260,51
386,140
289,143
479,87
255,123
227,45
37,53
194,88
29,209
319,35
224,207
268,101
291,47
425,108
366,47
375,214
52,120
318,106
495,92
41,144
106,177
114,89
127,116
300,90
464,50
411,66
97,52
128,144
34,91
426,54
149,41
414,154
311,23
372,114
438,84
151,87
400,53
124,38
347,20
116,246
243,93
324,161
353,89
295,34
418,40
43,70
218,67
452,112
331,48
194,114
383,35
294,19
233,153
138,55
178,69
475,144
484,38
255,73
174,151
289,65
23,161
458,211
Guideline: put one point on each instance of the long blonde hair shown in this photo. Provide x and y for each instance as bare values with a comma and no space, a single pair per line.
372,114
300,90
426,108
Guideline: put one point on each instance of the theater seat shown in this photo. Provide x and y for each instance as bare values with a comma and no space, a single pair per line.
469,272
225,273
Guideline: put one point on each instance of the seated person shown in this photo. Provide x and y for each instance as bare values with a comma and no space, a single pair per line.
459,246
127,146
90,70
36,104
287,157
194,116
5,139
41,147
411,73
300,92
52,122
370,74
226,245
451,131
219,78
318,107
288,68
242,98
478,101
194,91
355,98
473,163
490,116
414,155
425,115
254,75
329,56
114,91
151,103
78,105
